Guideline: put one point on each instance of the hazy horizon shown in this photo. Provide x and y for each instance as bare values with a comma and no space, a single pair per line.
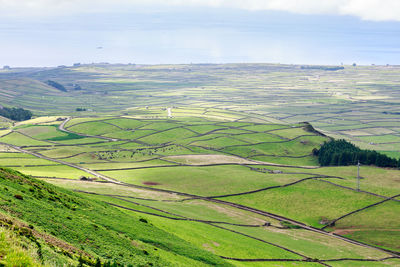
183,34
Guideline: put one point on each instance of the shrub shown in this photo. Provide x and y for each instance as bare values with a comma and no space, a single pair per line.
19,197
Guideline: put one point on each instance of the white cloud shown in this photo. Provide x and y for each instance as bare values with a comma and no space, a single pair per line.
377,10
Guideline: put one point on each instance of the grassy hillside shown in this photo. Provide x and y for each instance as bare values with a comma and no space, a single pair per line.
71,226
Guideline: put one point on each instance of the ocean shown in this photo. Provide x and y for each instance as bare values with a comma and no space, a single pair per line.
189,35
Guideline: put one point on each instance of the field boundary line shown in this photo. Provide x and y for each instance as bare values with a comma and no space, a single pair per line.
332,223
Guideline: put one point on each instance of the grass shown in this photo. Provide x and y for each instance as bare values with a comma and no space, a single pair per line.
12,252
204,128
219,241
179,140
382,238
206,181
161,125
259,137
58,171
377,180
308,202
114,189
167,136
30,161
121,165
377,225
127,135
290,133
126,123
75,121
275,93
15,155
135,134
85,140
264,127
313,245
96,228
48,133
93,128
200,209
299,147
18,139
385,263
219,142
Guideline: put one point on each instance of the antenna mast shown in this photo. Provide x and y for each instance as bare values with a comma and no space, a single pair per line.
358,176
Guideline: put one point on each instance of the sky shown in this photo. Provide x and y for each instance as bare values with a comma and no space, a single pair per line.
63,32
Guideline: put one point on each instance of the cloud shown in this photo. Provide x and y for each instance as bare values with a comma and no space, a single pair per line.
375,10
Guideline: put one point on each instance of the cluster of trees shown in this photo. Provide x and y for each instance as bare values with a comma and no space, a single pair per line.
16,114
343,153
56,85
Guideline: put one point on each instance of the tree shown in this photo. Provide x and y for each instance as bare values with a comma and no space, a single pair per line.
56,85
343,153
16,114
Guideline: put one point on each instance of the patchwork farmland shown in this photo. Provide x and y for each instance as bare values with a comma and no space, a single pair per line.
222,181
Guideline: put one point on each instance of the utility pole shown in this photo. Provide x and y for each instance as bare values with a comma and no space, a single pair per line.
358,176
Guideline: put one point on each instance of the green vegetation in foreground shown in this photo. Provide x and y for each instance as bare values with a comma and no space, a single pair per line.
14,251
92,229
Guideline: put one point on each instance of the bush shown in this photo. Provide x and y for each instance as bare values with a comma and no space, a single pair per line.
19,197
289,225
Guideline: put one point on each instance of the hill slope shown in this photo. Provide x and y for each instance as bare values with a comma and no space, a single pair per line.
61,227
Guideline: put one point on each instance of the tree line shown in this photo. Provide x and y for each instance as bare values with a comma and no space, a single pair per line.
343,153
16,114
56,85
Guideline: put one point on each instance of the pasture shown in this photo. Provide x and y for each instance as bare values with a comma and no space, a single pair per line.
245,182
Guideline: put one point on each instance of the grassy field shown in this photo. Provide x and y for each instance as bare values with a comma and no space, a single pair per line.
373,225
356,103
214,179
308,201
205,181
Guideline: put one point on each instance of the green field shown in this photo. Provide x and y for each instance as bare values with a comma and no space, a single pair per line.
229,179
359,104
